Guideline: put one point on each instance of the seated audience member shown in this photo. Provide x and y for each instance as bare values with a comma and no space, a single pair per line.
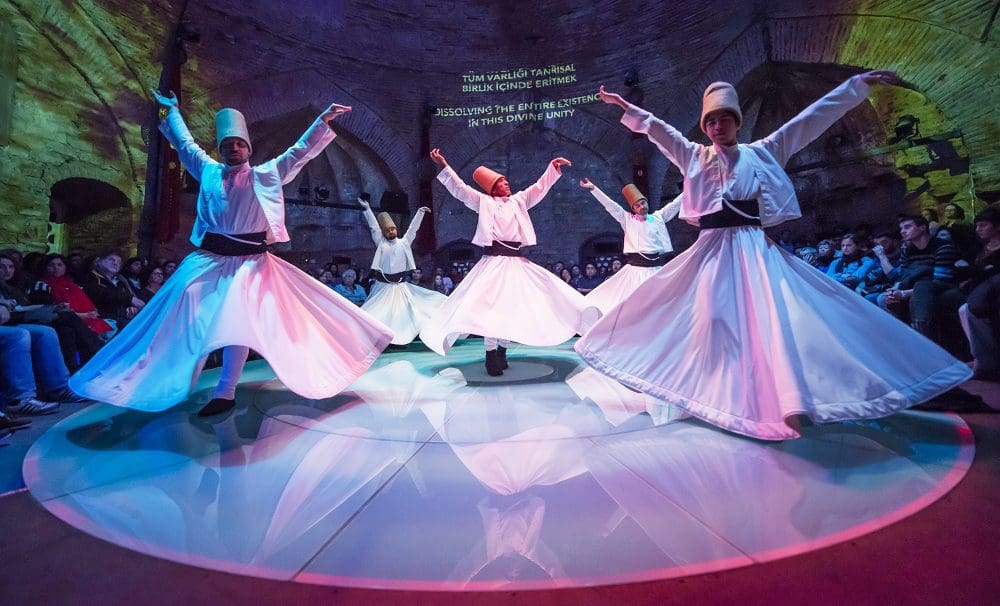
111,292
326,278
17,277
77,342
589,280
440,285
885,271
152,279
132,271
349,289
557,267
616,265
574,271
826,252
33,268
981,314
806,253
927,294
169,267
566,276
960,232
933,225
416,277
76,268
28,351
64,290
850,268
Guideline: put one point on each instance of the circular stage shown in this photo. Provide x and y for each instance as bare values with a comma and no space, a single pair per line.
421,477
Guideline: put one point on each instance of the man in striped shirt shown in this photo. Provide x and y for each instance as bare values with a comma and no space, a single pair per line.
927,293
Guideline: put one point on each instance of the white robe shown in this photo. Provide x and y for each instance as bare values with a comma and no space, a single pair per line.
647,235
743,335
316,342
402,306
507,298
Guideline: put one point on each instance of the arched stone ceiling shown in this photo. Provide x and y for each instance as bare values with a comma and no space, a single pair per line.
86,67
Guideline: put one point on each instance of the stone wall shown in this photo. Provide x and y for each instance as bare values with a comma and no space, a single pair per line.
83,71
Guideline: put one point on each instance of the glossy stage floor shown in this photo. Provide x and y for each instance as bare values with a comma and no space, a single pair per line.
427,474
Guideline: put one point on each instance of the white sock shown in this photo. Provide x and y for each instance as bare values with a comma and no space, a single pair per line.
233,359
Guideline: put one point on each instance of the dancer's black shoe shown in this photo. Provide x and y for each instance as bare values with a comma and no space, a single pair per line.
493,366
503,357
216,406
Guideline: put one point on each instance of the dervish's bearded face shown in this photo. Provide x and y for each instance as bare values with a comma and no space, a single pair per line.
234,151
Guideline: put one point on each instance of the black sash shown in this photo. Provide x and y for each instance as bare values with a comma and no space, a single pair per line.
227,247
504,248
388,278
727,217
644,260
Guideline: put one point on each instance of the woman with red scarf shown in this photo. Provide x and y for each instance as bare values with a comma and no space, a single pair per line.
65,290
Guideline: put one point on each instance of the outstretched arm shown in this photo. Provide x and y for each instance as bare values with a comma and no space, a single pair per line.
534,194
815,119
614,209
310,144
675,146
669,211
454,184
366,212
411,231
191,155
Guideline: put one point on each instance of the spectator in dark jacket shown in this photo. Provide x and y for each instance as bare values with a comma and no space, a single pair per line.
111,292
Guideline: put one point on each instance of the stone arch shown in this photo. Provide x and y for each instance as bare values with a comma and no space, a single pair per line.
460,251
89,214
923,45
600,247
289,92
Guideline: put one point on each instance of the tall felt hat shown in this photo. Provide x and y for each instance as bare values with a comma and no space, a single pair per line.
720,95
632,194
231,123
385,222
486,178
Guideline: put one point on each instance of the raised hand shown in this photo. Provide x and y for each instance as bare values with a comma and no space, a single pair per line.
880,76
438,158
165,101
364,204
333,112
586,184
558,163
424,209
612,98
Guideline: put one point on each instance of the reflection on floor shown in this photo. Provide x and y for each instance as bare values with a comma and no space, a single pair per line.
424,475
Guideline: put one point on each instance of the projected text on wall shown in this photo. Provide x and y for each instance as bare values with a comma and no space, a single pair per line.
543,106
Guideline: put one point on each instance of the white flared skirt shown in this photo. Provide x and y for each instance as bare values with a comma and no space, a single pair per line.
619,287
509,298
403,307
744,335
316,341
